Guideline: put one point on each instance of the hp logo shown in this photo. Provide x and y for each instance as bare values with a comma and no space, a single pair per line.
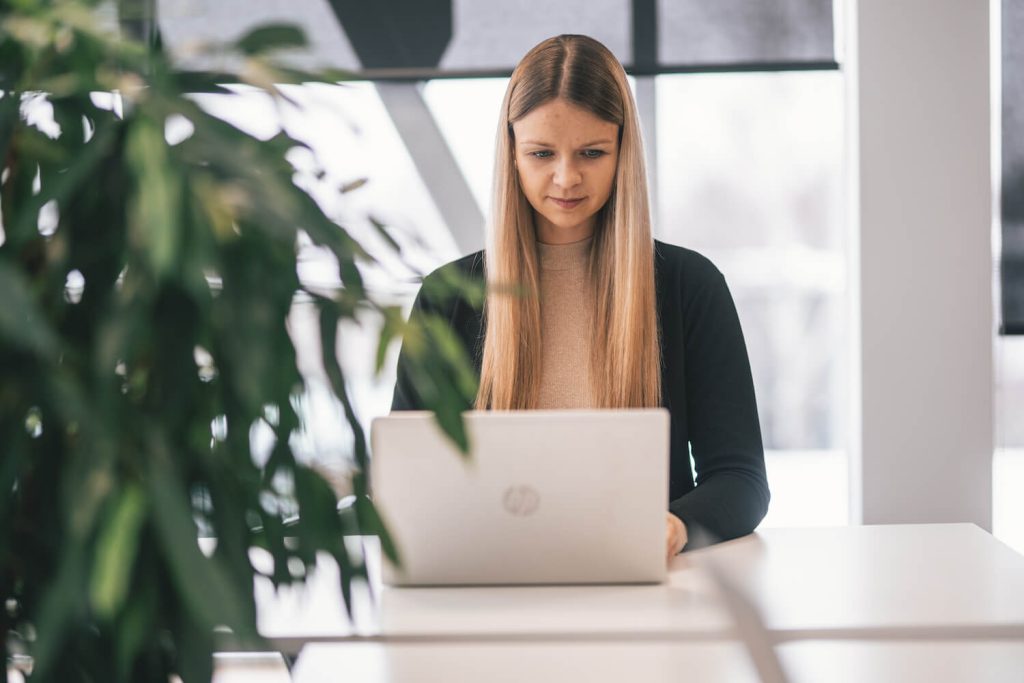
521,501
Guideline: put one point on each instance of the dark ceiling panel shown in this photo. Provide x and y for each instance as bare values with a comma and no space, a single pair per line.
391,34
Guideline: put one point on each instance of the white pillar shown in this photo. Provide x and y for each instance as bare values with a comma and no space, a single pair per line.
919,207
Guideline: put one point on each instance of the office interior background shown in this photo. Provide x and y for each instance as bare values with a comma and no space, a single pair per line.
744,107
763,148
746,166
745,112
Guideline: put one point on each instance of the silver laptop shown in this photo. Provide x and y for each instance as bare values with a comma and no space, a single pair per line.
545,497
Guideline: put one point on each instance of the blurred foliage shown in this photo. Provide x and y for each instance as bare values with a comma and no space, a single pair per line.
144,289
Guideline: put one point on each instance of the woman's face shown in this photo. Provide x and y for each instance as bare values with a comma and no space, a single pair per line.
566,159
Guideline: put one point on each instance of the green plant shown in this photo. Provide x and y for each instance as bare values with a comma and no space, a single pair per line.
185,261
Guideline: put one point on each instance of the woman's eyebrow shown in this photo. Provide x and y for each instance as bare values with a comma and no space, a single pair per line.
548,144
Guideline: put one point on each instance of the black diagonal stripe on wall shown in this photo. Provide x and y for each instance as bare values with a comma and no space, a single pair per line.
393,34
1012,258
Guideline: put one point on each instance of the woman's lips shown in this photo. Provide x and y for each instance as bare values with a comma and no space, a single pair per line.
567,203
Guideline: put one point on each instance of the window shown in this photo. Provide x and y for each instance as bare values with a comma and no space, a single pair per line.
748,173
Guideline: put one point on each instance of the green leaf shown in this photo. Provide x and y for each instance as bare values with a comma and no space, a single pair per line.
272,37
210,598
22,323
385,235
443,375
115,552
393,324
329,317
136,625
440,370
155,206
452,424
371,523
195,655
450,283
81,171
452,355
10,118
61,600
202,82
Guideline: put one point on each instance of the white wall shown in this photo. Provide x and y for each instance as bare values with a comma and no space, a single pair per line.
920,231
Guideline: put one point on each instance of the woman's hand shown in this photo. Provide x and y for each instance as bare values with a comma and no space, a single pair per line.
675,536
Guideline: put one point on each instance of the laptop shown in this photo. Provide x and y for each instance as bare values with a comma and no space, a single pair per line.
545,497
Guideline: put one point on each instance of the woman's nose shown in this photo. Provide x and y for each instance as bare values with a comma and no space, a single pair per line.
567,173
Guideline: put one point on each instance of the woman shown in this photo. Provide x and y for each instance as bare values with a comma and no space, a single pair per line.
612,318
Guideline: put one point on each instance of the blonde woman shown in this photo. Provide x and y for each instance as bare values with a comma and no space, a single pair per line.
612,318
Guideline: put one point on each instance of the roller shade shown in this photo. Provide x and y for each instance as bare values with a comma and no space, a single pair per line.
1011,266
445,38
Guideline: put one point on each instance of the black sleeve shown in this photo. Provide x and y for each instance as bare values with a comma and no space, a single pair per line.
406,396
451,295
731,495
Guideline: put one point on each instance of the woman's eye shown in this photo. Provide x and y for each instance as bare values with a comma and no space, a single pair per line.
588,154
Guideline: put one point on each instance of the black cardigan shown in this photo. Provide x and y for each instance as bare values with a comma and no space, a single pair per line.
706,386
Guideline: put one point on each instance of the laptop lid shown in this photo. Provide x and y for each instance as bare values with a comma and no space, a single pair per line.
575,496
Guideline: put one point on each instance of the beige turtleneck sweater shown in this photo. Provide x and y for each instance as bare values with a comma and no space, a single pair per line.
566,302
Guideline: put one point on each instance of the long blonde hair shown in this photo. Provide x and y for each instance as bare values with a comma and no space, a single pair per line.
625,363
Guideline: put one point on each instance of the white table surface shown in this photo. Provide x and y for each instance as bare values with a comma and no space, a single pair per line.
857,582
881,577
802,662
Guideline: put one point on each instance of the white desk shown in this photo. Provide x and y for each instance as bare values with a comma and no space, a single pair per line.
825,581
711,662
924,599
813,582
